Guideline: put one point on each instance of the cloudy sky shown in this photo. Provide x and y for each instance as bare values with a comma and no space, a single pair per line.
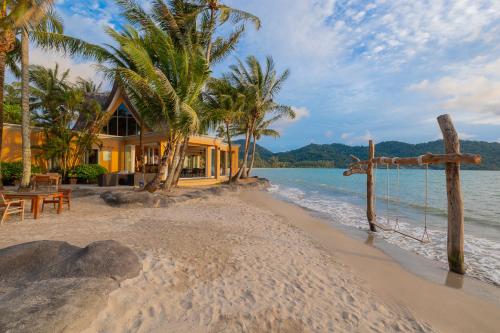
381,69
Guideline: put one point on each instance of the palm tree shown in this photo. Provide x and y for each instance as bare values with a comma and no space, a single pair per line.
261,86
262,129
7,44
58,105
213,15
37,15
225,104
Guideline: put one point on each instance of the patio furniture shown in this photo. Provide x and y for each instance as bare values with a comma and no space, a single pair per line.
11,207
36,198
66,199
49,182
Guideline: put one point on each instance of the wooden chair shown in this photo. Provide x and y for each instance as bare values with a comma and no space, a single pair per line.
66,193
11,207
48,182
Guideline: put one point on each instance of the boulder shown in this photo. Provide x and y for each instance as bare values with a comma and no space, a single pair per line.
133,198
52,286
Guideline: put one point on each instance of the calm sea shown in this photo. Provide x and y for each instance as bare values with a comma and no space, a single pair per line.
342,199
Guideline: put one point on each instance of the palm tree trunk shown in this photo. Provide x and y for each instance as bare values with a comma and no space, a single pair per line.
175,160
245,155
26,116
209,45
154,184
229,143
253,156
180,166
3,58
141,145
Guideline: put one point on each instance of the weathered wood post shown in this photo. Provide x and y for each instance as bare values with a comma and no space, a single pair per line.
455,202
370,199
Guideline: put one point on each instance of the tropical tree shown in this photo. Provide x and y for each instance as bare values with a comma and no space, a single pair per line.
262,128
59,106
225,104
213,14
260,84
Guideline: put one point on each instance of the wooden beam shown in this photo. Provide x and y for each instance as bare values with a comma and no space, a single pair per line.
351,172
428,158
370,191
455,243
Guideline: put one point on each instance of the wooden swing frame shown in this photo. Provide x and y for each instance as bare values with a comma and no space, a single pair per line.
452,159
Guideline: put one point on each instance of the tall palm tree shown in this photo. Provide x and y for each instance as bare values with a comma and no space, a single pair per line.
262,128
260,84
215,14
37,15
225,105
7,44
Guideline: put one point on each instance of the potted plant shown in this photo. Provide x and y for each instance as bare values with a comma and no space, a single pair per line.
73,177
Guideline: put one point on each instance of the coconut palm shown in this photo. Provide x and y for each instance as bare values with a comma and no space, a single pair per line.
213,14
261,86
225,104
21,17
262,128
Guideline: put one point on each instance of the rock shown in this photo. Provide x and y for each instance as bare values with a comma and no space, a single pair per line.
133,198
51,286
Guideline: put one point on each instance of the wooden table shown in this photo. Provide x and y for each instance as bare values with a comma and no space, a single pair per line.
36,198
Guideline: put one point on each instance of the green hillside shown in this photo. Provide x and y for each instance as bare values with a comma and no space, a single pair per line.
338,155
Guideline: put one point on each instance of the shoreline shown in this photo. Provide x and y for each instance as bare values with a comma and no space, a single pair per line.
445,308
245,261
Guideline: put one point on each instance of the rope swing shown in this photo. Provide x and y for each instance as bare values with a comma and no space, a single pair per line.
425,236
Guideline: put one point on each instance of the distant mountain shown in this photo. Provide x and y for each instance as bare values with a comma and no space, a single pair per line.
338,155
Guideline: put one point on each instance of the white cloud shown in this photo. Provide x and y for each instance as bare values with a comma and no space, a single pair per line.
83,69
466,136
329,134
351,138
470,89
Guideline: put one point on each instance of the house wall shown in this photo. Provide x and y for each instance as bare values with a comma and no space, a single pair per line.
12,144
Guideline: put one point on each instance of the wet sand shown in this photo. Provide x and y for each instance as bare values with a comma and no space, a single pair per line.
446,308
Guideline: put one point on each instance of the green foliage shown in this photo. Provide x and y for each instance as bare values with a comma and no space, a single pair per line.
87,173
12,171
338,155
12,113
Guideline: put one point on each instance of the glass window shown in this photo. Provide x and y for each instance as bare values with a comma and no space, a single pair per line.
122,123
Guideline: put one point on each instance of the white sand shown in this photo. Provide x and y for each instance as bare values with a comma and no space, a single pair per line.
221,265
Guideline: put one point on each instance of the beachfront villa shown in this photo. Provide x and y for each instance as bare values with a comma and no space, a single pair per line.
118,147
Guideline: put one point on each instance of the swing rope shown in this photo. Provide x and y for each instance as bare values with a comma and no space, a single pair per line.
425,236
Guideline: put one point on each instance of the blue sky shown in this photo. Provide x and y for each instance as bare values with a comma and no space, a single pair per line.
376,69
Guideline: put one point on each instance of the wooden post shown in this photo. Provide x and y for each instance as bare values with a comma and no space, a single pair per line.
455,202
370,199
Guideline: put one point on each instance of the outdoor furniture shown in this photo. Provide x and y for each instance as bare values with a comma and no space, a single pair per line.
48,182
36,198
11,207
66,198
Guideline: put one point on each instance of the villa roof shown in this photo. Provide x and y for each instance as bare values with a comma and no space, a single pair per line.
105,100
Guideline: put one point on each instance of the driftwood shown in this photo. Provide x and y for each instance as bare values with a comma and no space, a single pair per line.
452,158
455,241
428,158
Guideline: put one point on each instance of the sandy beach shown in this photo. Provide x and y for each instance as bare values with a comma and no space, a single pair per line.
245,262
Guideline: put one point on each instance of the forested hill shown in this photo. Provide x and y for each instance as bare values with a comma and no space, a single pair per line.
338,155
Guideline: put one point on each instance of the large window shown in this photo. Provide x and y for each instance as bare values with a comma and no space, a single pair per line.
122,123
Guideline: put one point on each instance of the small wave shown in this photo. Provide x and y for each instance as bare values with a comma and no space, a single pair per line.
482,255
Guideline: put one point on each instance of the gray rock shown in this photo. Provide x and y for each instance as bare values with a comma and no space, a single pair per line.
133,198
51,286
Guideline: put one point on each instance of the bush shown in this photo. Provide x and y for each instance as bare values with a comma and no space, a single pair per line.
87,173
12,171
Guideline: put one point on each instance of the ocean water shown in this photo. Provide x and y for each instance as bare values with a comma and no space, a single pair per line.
343,200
